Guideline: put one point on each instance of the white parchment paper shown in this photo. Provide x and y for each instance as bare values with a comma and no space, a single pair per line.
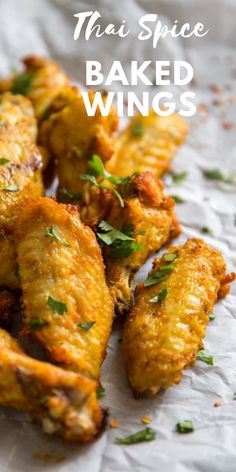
46,27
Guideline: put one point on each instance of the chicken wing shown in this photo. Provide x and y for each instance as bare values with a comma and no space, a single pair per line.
72,136
41,81
64,403
167,325
20,175
147,217
147,144
67,302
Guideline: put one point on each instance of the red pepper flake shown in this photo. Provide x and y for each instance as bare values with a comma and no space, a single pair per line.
215,88
227,125
217,404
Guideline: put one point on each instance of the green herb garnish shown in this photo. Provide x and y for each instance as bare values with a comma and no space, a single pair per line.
3,161
170,257
56,306
178,199
216,174
99,172
202,356
234,396
212,317
37,323
11,188
137,128
185,426
206,230
54,234
146,434
23,83
177,177
160,297
159,275
101,392
122,243
86,325
70,195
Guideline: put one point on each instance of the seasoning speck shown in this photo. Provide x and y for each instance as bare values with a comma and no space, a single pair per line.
146,419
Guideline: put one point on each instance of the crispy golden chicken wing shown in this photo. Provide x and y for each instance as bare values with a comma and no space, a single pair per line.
20,175
147,144
72,136
41,81
67,302
64,403
167,324
147,215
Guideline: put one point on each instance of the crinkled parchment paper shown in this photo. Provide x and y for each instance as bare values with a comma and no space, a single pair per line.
46,27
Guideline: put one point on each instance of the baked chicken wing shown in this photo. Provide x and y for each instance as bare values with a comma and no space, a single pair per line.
41,81
138,229
20,175
72,136
64,403
167,324
67,303
147,144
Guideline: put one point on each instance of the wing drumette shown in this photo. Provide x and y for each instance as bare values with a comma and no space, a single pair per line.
64,403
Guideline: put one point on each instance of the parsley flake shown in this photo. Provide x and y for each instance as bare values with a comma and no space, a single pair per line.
146,434
170,256
185,426
216,174
97,170
212,316
137,128
56,306
206,230
37,323
3,161
54,233
177,177
22,84
178,199
122,243
86,325
160,297
202,356
101,392
159,275
70,195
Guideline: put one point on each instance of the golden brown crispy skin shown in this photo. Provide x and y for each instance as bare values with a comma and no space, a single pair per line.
147,144
45,80
160,340
64,403
72,137
72,273
149,210
8,303
20,175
